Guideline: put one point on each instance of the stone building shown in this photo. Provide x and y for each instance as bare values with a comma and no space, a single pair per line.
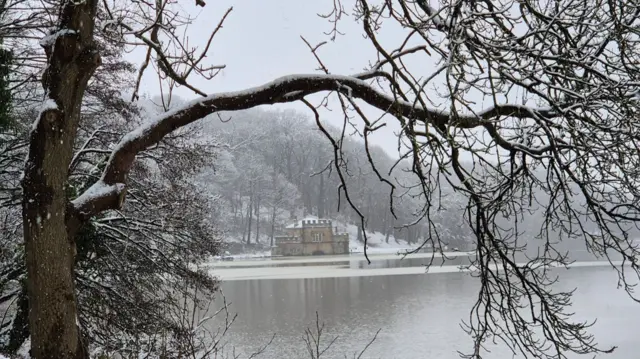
310,236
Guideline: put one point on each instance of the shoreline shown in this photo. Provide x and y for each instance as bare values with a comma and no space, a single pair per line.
345,271
346,258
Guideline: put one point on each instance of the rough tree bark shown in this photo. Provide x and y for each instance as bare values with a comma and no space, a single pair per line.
48,223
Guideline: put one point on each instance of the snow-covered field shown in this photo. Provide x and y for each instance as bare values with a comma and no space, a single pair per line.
337,271
320,260
340,266
254,255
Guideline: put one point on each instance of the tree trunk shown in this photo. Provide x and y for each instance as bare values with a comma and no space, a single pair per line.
411,235
242,226
49,248
47,218
273,223
306,198
321,198
385,226
257,210
48,232
289,166
234,210
249,217
369,207
360,237
387,229
274,202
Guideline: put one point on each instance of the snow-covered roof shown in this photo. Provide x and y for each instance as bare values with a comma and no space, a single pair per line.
309,220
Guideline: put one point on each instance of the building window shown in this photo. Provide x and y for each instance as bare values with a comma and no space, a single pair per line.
317,237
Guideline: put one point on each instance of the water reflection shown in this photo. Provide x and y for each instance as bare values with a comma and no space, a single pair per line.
419,314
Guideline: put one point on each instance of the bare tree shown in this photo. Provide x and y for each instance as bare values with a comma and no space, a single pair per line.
562,80
317,346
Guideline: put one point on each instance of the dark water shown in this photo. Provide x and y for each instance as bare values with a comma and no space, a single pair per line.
419,315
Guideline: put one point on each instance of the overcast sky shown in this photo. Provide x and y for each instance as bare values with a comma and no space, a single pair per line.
261,41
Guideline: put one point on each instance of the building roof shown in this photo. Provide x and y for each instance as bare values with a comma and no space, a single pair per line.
309,219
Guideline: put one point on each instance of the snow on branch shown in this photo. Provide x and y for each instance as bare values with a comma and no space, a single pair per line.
47,105
98,197
49,40
281,90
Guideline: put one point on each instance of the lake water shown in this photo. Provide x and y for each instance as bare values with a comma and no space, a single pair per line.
418,314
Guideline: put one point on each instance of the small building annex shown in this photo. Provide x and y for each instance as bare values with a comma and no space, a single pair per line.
310,236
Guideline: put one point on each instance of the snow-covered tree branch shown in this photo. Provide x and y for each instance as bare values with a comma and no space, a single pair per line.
109,191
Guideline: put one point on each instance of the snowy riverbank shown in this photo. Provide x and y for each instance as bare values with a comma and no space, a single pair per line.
337,271
346,266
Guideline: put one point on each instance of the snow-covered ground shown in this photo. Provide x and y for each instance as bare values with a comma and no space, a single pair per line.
321,260
252,272
254,255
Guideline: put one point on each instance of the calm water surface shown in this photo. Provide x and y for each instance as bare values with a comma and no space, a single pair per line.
419,315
